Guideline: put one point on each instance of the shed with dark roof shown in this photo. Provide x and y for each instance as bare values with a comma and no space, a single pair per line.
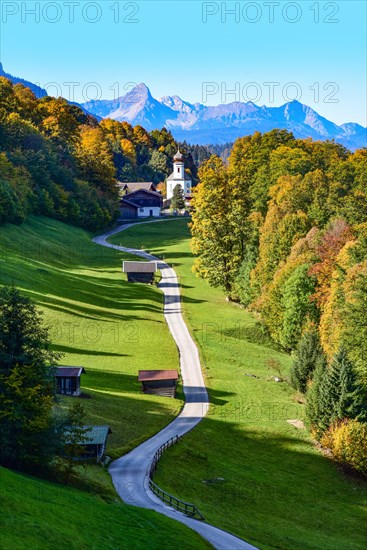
93,442
159,382
68,380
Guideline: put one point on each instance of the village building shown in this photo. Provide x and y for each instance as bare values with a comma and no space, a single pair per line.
68,380
141,203
159,382
179,177
93,443
140,272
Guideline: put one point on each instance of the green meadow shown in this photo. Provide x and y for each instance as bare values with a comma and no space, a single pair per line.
112,328
39,515
247,469
97,320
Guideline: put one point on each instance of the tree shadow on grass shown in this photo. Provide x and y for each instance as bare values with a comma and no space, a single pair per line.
78,351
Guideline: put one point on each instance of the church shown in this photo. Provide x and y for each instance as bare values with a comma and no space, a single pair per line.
179,176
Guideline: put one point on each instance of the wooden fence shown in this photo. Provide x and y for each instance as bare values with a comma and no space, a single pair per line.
180,505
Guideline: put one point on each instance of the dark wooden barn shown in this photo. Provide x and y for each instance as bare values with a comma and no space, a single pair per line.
128,210
159,382
68,380
140,272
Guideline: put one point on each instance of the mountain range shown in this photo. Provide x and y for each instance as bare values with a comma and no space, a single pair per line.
200,124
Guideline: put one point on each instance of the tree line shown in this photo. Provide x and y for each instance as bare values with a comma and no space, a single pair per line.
282,229
57,161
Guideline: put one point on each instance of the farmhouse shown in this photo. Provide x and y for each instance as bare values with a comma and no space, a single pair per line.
140,272
141,203
159,382
94,442
68,380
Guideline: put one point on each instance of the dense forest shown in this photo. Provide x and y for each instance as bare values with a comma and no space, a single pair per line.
59,162
283,230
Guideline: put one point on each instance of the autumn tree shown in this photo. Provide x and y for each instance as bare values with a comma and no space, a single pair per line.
217,238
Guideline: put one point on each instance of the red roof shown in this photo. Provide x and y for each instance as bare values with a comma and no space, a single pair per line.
146,375
69,371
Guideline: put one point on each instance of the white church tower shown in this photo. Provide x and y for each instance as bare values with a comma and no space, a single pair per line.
178,176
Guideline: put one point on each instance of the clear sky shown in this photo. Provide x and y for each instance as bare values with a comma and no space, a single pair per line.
197,50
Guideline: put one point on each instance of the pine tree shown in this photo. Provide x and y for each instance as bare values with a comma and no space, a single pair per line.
27,388
308,356
335,394
178,198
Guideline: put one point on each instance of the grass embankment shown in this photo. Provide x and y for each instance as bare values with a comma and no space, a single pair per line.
244,466
39,515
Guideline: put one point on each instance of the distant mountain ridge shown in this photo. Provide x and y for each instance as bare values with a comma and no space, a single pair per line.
197,123
200,124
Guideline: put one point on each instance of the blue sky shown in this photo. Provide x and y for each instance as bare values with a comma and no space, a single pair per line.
194,49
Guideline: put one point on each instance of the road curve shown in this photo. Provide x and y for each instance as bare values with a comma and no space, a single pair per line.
129,473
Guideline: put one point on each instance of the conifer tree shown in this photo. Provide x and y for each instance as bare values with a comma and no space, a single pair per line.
27,387
308,356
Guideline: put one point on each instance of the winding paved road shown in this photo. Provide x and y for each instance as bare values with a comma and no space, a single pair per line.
129,473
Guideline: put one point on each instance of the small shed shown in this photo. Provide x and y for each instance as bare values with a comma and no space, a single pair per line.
159,382
94,442
140,272
68,380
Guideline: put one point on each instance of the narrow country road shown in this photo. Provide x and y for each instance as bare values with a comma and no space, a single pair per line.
129,473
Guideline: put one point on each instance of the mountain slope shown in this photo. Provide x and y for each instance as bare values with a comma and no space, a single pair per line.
37,90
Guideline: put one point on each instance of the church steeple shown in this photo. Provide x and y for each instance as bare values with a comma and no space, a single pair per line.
178,166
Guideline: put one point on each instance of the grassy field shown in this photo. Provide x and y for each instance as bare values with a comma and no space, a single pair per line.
111,328
244,466
39,515
96,320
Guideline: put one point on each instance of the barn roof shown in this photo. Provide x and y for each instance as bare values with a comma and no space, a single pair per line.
139,267
97,435
69,371
149,375
136,185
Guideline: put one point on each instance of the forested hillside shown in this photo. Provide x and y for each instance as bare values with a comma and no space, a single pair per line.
283,230
59,162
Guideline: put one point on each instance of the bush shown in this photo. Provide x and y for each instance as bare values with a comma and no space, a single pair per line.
347,440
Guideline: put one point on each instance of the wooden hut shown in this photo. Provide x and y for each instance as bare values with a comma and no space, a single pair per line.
159,382
93,442
68,380
140,272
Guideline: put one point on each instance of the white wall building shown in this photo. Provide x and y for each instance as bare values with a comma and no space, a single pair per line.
179,176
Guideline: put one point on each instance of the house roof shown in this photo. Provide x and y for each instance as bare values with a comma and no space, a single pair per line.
136,185
186,178
139,267
149,375
96,436
69,371
148,191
